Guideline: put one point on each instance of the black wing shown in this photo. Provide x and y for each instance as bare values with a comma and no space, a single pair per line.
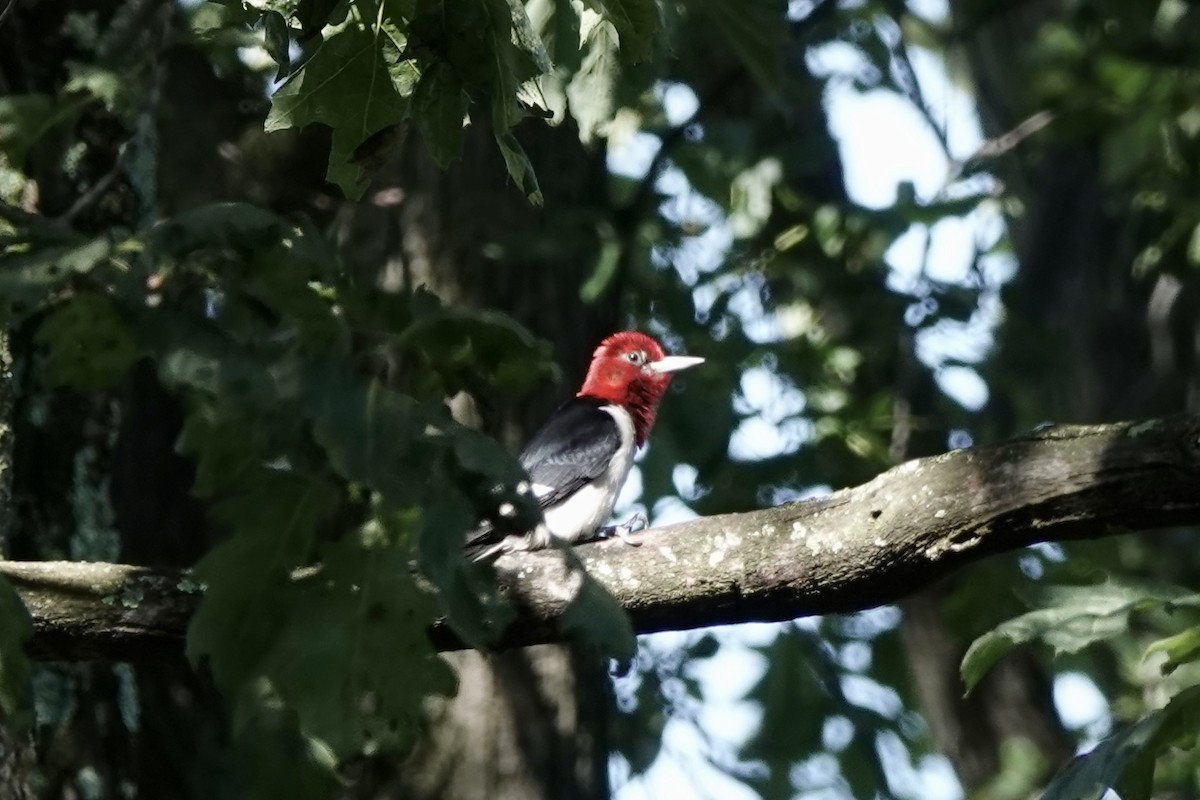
573,448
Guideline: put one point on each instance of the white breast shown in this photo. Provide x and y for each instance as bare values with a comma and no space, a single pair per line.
577,518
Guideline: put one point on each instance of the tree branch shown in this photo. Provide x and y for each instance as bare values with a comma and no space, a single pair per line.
856,549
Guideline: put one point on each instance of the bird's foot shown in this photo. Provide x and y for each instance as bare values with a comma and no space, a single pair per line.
625,530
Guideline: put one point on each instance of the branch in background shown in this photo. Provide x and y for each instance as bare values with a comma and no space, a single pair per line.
856,549
1001,145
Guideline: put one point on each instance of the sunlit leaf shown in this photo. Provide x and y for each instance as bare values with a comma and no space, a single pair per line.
348,85
637,22
1180,649
1069,619
592,90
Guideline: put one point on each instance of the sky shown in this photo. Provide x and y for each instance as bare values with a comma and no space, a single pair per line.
884,141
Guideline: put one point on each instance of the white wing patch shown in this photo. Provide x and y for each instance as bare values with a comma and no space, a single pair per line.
540,490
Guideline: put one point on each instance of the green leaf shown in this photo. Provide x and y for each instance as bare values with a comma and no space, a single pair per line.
468,593
16,626
1023,769
29,273
751,197
478,351
119,91
1069,619
439,105
1124,761
239,225
90,346
1193,245
278,263
335,660
373,435
280,283
512,66
592,90
245,602
519,167
1180,649
313,15
273,758
275,516
196,355
277,40
348,85
26,118
226,448
608,259
345,83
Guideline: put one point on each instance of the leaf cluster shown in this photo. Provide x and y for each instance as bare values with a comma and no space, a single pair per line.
1152,625
365,67
318,466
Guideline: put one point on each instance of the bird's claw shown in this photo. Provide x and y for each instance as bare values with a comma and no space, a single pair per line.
637,522
625,530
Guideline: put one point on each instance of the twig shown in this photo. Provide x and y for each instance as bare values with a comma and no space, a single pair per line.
97,190
1003,144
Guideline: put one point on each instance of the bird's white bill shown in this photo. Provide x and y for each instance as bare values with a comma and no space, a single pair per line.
674,363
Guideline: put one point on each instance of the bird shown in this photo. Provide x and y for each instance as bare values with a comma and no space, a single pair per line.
579,459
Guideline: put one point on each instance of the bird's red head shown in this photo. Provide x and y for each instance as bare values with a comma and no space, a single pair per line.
632,370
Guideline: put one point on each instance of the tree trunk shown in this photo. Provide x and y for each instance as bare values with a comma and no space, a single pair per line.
16,747
525,723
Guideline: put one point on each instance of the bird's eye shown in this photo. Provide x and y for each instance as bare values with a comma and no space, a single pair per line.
636,357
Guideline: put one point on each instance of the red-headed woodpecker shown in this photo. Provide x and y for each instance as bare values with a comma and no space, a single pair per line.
580,458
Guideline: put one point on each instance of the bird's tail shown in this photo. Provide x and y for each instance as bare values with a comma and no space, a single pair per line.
485,543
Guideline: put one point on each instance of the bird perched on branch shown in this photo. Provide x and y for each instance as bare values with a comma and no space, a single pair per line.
580,458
